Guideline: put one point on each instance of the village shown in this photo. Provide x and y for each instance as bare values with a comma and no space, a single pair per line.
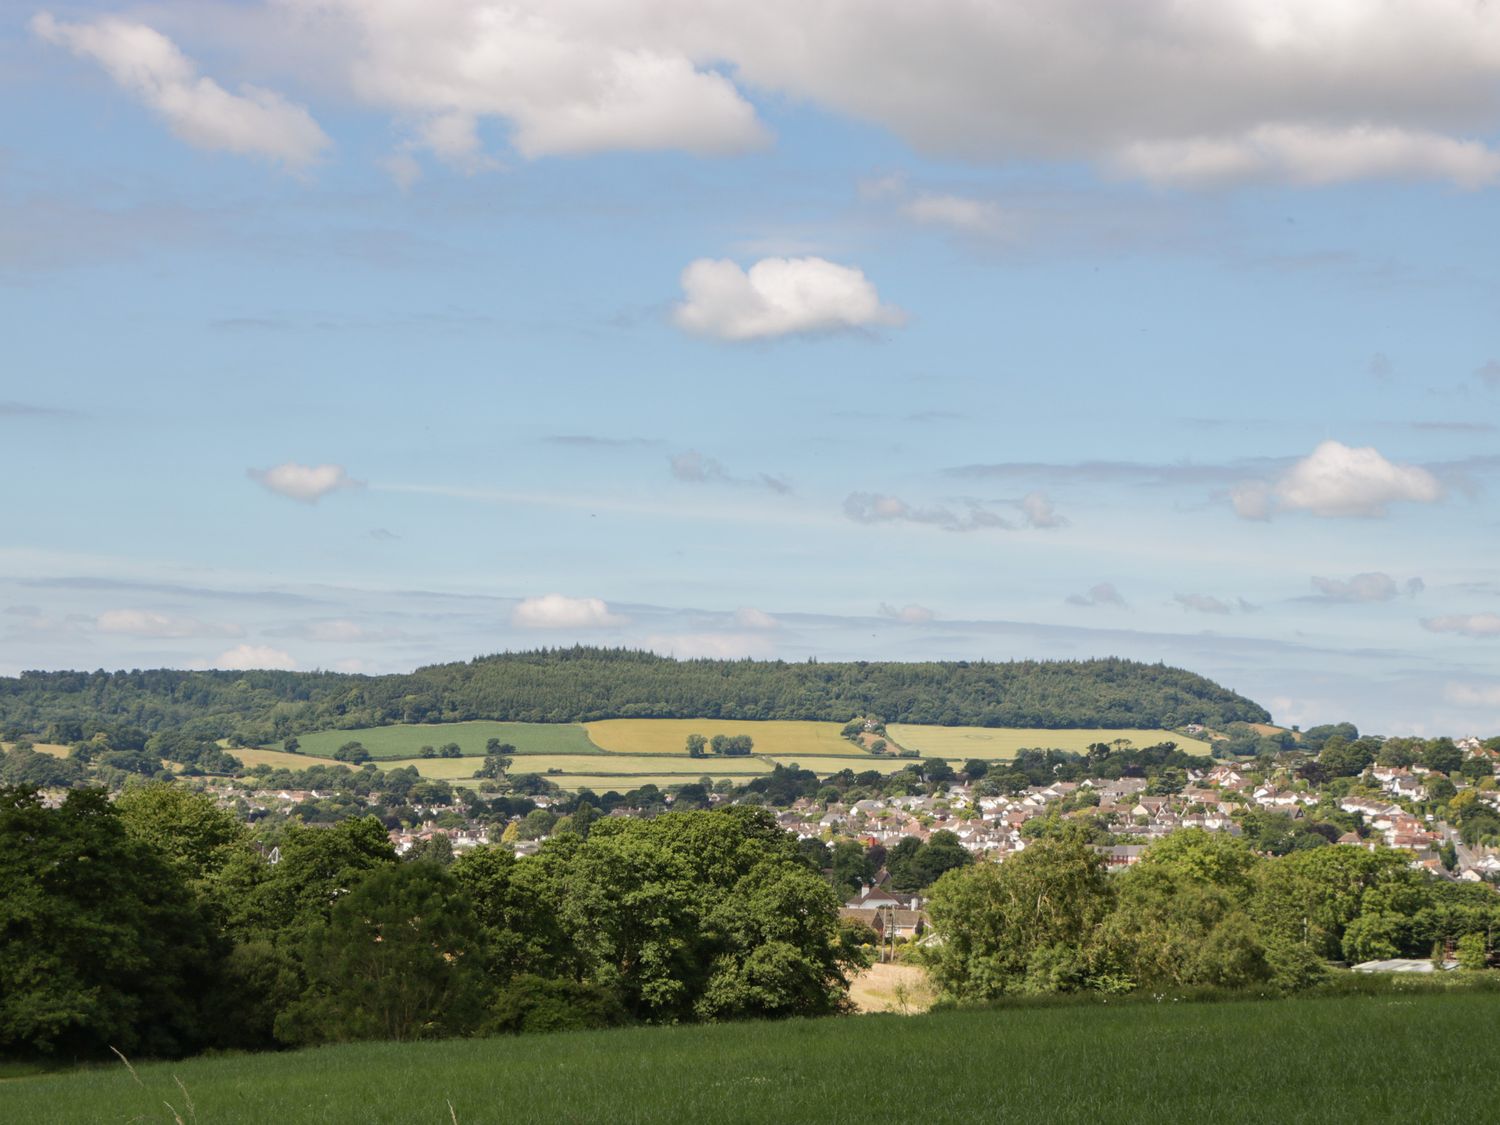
1411,808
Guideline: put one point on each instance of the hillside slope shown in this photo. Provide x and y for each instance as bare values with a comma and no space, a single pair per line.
584,684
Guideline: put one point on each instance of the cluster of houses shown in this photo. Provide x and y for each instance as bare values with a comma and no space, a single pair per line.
993,825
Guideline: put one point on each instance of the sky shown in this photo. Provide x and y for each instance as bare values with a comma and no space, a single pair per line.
368,334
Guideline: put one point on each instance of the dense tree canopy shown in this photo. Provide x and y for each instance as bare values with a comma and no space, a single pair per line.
582,684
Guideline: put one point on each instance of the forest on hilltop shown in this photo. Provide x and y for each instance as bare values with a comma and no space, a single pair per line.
583,684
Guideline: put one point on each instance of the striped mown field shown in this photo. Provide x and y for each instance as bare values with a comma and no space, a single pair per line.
959,743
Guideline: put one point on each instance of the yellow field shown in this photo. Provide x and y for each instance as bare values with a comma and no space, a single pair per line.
960,743
889,987
669,736
823,766
277,759
53,748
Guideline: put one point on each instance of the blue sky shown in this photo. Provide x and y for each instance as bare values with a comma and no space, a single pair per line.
360,334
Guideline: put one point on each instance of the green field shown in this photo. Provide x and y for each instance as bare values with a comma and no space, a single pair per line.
669,736
404,740
1383,1058
959,743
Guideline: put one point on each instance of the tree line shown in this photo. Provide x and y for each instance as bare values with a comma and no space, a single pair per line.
155,924
1199,909
126,708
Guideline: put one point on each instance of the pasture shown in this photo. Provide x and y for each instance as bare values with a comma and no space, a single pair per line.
1409,1058
404,740
669,736
959,743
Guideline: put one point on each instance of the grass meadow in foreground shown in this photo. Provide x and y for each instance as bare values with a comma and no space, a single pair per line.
959,743
404,740
1389,1057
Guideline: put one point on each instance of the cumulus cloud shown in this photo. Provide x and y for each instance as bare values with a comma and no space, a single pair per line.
555,611
909,614
1337,480
1467,625
778,297
1039,512
1104,593
243,658
307,483
1375,586
568,76
1191,93
145,623
148,65
748,618
875,507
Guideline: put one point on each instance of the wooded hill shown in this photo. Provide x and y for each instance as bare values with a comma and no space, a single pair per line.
583,684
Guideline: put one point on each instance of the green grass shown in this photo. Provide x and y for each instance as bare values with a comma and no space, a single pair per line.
404,740
669,736
959,743
1390,1057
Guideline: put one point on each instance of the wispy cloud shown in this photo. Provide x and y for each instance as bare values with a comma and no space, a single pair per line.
1101,594
875,507
1373,586
694,467
1467,625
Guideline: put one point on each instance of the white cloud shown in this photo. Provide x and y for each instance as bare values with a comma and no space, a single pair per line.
246,657
1468,625
568,76
1473,695
1039,512
145,623
1337,480
748,618
554,611
910,614
710,646
1311,155
778,297
1170,91
307,483
198,110
1103,593
876,507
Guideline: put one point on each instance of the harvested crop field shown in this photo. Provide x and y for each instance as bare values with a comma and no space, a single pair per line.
959,743
405,740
